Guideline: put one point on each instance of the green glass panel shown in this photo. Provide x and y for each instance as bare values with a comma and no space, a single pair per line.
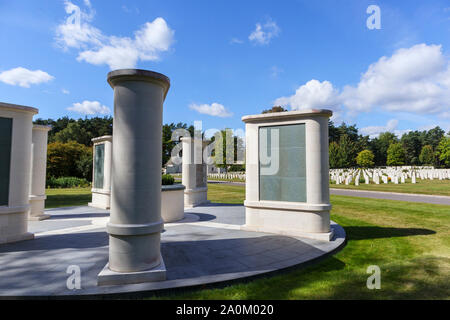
99,164
283,179
5,159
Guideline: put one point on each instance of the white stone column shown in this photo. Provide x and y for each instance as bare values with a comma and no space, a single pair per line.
16,124
38,172
194,176
296,201
101,190
135,222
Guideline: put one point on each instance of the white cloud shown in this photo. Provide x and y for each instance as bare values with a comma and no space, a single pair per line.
65,91
416,79
76,32
413,80
264,33
24,77
89,108
374,131
236,41
117,52
130,10
214,109
312,95
275,71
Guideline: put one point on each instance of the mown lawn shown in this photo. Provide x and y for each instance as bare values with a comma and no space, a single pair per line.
435,187
410,242
67,197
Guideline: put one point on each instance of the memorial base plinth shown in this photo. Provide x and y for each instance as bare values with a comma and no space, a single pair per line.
195,197
289,219
39,217
107,277
101,199
172,203
13,224
17,238
37,207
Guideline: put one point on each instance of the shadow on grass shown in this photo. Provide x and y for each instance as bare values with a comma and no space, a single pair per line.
373,232
67,200
331,280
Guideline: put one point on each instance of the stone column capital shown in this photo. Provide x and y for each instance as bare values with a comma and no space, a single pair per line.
120,75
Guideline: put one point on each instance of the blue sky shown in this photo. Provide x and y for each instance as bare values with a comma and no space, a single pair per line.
227,59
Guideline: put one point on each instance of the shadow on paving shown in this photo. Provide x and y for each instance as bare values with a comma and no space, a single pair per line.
59,241
204,216
204,257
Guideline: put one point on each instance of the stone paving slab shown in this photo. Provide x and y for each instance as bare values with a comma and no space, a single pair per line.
206,247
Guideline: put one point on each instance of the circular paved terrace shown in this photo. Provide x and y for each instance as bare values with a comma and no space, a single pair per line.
206,247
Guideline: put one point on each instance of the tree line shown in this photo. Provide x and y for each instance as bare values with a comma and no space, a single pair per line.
70,147
348,148
69,150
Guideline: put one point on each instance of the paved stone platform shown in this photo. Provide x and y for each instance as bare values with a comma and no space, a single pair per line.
204,248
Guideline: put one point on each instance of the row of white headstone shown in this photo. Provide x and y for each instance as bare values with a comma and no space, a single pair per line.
385,175
228,176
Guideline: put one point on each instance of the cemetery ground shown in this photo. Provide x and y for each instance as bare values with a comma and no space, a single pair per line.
410,242
429,187
69,197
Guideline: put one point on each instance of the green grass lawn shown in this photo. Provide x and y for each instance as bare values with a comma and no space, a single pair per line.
410,242
67,197
435,187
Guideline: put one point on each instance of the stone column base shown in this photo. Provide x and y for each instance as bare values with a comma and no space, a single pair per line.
37,206
107,277
195,197
100,199
16,237
324,236
13,224
289,218
39,217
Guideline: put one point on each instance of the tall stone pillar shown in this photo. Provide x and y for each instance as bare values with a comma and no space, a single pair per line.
194,176
15,165
287,176
135,222
38,172
101,173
